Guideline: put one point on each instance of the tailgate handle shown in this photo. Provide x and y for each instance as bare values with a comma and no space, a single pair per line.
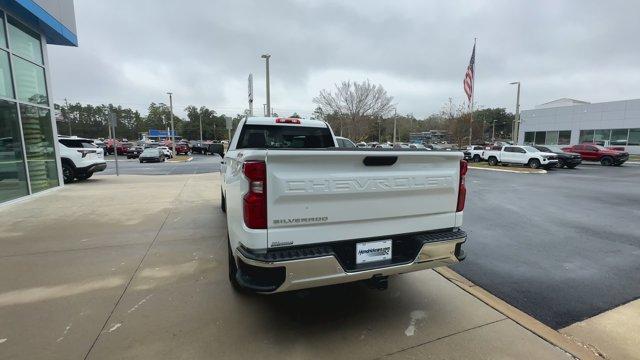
379,160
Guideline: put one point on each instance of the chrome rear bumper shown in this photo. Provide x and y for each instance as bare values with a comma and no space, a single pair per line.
327,270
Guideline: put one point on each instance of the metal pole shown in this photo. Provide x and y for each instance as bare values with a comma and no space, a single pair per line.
493,131
517,114
66,104
515,126
395,121
266,57
200,126
173,138
113,119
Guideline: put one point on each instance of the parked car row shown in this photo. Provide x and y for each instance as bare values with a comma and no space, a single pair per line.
546,155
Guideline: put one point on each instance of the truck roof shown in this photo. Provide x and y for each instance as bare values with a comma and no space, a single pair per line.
282,121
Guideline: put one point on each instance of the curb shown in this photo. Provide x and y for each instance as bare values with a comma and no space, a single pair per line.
541,330
539,171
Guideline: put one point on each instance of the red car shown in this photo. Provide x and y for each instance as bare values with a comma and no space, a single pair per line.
183,148
593,152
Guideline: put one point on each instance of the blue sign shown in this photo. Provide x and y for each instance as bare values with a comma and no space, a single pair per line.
161,133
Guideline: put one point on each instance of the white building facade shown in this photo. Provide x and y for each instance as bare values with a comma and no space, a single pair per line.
569,122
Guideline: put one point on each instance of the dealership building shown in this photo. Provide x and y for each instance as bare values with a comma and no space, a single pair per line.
569,122
28,142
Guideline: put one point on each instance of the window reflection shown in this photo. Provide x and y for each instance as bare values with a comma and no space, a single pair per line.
13,182
38,138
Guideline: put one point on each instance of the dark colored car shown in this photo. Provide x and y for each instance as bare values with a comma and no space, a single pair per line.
183,148
134,152
151,155
593,152
570,160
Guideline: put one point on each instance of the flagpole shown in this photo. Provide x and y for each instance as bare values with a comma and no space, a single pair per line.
473,93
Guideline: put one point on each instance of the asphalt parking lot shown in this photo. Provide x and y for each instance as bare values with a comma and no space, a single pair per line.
200,164
562,246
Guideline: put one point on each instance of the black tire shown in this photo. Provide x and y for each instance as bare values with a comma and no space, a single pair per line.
606,161
223,202
68,173
141,161
493,161
571,166
476,158
534,163
561,164
84,176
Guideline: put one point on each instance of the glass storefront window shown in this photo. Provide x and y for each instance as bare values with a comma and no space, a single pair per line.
541,137
564,137
13,178
634,137
586,136
529,137
552,138
601,136
24,41
30,83
6,84
38,139
3,40
619,136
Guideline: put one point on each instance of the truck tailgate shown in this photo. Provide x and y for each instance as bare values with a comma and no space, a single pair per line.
318,196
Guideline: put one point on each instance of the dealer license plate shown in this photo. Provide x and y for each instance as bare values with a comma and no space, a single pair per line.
372,251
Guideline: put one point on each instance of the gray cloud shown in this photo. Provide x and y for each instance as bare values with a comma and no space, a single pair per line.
132,52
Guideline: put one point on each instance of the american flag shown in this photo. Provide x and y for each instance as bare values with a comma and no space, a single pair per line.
469,76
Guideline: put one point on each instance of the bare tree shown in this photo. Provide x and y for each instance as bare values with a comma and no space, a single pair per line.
358,103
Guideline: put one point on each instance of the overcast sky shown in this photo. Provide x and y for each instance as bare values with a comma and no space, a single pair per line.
133,52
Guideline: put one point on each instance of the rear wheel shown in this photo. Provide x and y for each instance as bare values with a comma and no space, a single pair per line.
571,166
534,163
493,161
606,161
68,173
561,163
84,176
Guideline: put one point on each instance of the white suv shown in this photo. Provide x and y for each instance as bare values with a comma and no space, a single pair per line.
80,158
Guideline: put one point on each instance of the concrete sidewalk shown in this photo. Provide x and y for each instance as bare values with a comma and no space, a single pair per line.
135,268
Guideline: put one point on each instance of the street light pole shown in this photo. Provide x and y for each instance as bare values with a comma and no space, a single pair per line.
201,127
516,122
266,57
493,131
66,104
173,138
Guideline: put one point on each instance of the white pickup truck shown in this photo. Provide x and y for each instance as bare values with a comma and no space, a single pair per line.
520,155
302,212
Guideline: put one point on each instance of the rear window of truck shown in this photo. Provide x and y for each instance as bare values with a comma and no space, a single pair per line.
284,137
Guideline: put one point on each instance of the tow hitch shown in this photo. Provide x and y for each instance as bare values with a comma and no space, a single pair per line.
378,282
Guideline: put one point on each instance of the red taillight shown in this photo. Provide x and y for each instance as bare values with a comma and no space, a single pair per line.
255,200
287,121
462,189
